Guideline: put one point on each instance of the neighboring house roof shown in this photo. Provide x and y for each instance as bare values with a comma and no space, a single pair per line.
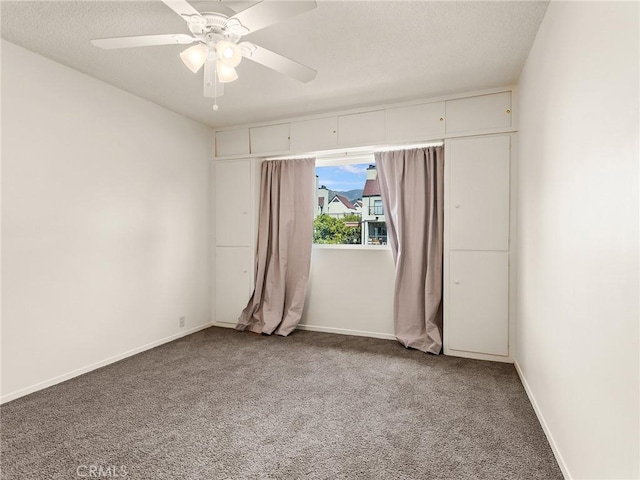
371,188
344,200
357,203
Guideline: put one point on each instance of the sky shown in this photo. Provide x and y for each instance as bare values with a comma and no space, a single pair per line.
343,177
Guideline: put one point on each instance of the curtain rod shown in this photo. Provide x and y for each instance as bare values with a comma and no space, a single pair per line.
391,148
357,152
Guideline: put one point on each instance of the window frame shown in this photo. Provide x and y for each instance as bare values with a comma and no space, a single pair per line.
336,161
336,157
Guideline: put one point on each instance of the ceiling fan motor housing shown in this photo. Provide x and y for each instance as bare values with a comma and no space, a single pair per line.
214,28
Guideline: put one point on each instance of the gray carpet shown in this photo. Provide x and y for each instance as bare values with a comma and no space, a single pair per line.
224,404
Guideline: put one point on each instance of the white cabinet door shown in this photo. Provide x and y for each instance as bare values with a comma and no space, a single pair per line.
233,282
232,142
478,302
475,114
361,128
479,193
316,134
233,203
417,122
272,138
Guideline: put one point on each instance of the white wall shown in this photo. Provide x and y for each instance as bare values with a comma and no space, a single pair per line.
350,291
577,340
350,288
105,218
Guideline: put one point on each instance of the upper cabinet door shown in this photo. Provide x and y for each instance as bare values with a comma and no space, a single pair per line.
479,193
415,122
477,114
233,202
232,142
361,128
316,134
272,138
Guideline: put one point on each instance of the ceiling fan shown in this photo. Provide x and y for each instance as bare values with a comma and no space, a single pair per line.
217,41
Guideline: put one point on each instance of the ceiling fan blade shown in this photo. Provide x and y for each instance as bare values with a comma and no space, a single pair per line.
277,62
268,12
143,41
182,8
211,90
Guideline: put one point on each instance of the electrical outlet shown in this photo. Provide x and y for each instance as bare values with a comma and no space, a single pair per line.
182,321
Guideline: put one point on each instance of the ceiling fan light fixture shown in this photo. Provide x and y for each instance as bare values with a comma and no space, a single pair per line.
228,53
194,57
226,73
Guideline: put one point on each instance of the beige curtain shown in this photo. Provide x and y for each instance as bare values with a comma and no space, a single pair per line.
412,188
283,259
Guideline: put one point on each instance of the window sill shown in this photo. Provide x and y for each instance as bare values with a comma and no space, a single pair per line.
331,246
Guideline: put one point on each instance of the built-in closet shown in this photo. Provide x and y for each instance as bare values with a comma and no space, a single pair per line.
479,132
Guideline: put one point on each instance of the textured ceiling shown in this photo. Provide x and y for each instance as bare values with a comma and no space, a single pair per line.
365,52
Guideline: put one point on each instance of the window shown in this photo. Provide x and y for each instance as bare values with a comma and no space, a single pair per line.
376,209
349,208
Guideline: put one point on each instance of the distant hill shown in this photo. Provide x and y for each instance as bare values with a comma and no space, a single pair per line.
350,194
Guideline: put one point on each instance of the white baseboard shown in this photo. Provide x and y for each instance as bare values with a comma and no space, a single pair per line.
545,427
476,356
224,324
74,373
316,328
346,331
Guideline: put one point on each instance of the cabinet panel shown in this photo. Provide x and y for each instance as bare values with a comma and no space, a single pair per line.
233,203
232,142
317,134
423,122
478,113
233,282
361,128
479,302
272,138
479,193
